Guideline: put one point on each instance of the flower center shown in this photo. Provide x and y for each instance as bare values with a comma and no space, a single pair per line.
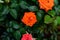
48,1
30,18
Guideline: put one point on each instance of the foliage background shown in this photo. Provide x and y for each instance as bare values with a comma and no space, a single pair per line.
11,27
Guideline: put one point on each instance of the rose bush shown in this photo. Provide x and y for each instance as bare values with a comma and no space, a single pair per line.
39,18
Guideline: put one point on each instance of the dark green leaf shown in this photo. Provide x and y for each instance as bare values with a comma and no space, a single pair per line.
14,5
59,9
10,23
2,18
24,5
6,38
13,13
1,6
39,15
56,2
17,35
22,30
34,0
33,8
10,30
13,1
15,25
5,11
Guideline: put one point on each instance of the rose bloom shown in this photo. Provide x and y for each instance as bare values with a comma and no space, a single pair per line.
27,37
29,18
46,4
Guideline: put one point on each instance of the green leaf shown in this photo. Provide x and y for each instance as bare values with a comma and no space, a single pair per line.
23,5
10,23
57,19
5,11
14,5
34,0
56,2
17,35
10,30
2,18
48,19
55,24
6,38
39,15
33,8
13,13
59,9
52,13
15,25
13,1
22,30
1,6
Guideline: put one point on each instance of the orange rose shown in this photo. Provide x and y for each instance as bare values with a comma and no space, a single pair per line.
29,18
46,4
